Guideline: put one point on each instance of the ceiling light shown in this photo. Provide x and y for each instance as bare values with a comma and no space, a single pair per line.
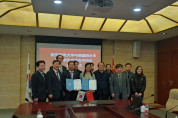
137,9
57,1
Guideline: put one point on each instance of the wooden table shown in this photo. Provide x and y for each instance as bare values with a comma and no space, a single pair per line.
83,110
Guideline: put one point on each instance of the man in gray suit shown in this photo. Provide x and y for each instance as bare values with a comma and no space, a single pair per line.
128,67
119,84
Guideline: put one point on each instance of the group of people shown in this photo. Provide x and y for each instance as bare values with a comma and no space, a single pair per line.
110,85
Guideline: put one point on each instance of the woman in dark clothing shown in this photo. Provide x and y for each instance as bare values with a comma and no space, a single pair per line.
138,82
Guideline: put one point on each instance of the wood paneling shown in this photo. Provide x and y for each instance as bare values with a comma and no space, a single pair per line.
167,68
9,71
123,54
27,46
13,59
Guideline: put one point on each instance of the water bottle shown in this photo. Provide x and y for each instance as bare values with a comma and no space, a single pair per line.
142,108
146,108
39,114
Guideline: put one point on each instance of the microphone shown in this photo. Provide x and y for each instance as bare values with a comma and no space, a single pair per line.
14,116
149,96
170,109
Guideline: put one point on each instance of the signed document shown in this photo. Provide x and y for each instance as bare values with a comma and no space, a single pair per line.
77,84
85,84
69,84
92,85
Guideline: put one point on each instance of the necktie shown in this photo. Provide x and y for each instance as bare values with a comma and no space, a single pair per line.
61,69
71,75
43,75
119,75
120,82
57,73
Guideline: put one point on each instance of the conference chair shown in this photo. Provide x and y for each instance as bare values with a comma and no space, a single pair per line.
172,100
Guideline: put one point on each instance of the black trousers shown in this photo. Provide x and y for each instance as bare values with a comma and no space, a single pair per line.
129,98
101,97
55,99
70,96
41,100
120,96
138,92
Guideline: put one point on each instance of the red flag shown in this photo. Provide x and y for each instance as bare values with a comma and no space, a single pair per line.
113,69
89,96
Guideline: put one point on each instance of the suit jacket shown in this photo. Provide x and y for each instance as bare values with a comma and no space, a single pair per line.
69,96
110,73
63,68
79,71
54,85
124,89
39,87
66,75
130,76
102,83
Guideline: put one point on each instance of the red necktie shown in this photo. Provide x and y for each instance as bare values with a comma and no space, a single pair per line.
71,75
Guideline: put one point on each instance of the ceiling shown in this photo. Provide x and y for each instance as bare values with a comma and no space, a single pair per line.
122,9
18,30
18,17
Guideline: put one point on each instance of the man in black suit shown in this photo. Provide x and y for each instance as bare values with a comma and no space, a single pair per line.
62,68
76,67
70,74
102,78
54,83
38,83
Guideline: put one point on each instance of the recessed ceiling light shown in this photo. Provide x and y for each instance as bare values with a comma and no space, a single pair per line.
137,9
57,1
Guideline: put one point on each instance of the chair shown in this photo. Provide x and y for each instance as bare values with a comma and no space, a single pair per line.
172,100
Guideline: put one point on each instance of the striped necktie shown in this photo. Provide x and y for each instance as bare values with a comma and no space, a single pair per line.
58,76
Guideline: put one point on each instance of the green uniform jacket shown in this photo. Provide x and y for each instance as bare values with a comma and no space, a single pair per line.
125,86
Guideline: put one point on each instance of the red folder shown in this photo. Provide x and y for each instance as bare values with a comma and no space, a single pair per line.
89,96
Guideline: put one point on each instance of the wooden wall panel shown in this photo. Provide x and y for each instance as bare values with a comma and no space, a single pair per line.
27,46
123,54
167,68
15,49
9,71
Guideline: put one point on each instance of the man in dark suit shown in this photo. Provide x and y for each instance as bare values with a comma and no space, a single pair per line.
54,83
38,83
102,78
62,68
128,67
70,74
76,67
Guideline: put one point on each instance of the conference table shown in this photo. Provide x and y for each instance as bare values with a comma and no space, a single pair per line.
119,109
